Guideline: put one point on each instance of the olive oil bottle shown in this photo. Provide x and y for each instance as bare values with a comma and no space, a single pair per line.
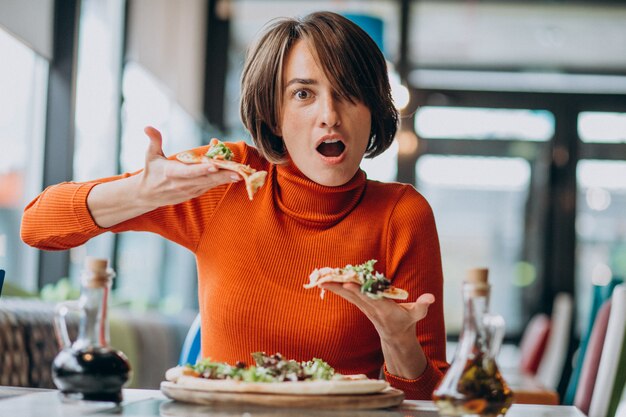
473,385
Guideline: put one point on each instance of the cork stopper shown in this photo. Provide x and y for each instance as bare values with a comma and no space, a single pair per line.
478,279
96,273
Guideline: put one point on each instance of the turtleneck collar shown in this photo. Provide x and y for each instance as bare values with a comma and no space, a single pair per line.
310,202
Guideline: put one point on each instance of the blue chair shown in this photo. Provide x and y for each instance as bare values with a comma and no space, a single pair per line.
1,280
190,353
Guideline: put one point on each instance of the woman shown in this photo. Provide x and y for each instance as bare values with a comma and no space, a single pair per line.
316,99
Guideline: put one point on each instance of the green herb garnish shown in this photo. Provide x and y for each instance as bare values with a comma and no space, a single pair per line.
372,283
218,150
268,368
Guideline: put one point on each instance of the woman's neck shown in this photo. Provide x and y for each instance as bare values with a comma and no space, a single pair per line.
309,202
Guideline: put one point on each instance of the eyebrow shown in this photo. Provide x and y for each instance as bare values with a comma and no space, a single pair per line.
306,81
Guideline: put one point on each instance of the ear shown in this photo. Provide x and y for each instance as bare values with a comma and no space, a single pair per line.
276,130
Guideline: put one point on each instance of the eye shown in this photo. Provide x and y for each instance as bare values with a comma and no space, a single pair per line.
301,94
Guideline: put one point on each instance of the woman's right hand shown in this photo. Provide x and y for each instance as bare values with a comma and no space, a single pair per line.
165,182
162,182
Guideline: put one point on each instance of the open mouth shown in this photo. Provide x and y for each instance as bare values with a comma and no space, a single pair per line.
331,148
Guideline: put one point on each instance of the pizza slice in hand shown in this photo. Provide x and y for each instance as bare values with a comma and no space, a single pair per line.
373,284
221,156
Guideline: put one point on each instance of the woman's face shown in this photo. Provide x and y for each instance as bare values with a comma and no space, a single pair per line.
325,134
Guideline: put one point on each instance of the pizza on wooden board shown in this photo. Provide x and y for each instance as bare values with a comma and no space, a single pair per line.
219,154
272,375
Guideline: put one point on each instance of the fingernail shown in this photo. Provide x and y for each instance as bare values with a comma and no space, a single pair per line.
212,168
235,178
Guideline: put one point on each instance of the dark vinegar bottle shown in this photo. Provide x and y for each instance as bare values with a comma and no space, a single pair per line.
88,368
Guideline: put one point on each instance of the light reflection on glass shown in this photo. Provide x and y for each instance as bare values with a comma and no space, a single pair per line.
601,274
435,122
601,127
598,198
474,172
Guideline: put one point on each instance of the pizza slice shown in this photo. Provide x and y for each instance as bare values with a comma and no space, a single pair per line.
373,284
219,154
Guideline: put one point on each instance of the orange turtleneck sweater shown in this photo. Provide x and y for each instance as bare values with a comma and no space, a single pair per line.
255,256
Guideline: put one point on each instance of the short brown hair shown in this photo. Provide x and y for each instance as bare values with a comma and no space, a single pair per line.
350,59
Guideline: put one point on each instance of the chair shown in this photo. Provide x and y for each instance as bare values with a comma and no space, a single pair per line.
553,361
190,352
533,343
1,280
611,376
600,294
589,371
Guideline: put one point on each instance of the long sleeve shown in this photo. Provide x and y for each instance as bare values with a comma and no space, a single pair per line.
414,263
59,217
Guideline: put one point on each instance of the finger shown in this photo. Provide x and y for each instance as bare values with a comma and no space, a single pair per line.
426,298
155,148
200,173
420,306
352,293
182,170
346,291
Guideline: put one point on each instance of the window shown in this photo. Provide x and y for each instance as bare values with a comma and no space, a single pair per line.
479,209
477,123
595,127
479,191
23,82
600,227
144,262
97,108
152,271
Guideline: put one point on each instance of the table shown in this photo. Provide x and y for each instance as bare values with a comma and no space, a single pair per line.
147,403
528,390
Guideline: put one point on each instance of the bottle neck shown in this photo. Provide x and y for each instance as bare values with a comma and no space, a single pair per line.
475,307
94,325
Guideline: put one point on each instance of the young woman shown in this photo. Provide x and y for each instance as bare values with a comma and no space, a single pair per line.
316,99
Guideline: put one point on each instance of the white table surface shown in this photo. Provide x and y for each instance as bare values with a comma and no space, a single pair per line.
153,403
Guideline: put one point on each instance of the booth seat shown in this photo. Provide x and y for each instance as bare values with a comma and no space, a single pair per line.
28,343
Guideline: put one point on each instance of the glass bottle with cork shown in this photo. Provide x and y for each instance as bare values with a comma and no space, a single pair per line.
473,385
89,368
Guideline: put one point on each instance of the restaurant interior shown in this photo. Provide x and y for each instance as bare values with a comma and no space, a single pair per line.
513,126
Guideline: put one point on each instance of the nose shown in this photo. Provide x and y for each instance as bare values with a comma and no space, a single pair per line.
329,112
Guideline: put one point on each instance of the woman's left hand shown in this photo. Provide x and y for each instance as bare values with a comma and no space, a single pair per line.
396,325
389,317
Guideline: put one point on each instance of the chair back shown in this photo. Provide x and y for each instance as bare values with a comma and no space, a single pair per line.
553,361
533,343
589,371
600,294
612,368
190,352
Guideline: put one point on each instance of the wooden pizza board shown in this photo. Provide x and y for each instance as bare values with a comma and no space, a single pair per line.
390,397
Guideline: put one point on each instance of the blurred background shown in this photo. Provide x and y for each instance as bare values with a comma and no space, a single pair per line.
513,127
